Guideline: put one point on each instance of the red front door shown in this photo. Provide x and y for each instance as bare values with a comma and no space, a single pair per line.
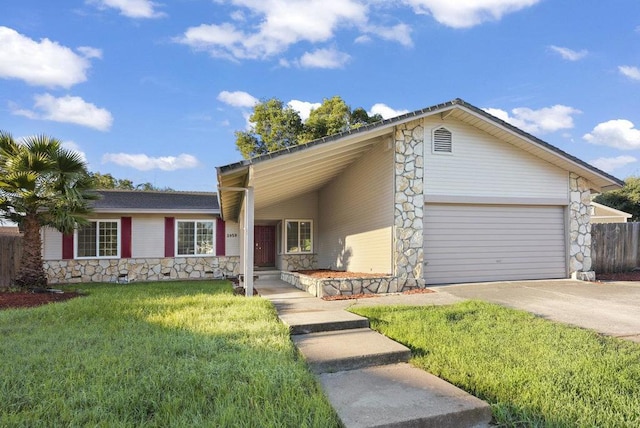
264,254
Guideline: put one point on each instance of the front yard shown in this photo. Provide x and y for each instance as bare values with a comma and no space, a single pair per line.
532,371
156,354
193,354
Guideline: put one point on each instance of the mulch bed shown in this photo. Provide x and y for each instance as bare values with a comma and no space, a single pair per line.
27,299
338,274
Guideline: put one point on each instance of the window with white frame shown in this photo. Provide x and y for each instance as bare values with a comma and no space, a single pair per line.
195,237
298,236
98,238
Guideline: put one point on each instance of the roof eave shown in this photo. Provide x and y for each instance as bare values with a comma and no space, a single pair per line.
155,211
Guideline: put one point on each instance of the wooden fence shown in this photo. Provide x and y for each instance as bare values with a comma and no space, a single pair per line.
10,251
614,247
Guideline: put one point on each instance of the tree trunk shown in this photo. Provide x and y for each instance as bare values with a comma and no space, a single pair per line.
31,270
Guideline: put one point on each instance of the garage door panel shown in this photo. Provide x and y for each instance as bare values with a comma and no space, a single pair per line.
493,258
469,243
490,276
450,240
531,267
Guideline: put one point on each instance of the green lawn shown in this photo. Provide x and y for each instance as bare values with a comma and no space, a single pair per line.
156,354
532,371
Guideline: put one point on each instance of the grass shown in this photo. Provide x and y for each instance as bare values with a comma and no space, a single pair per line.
532,371
161,354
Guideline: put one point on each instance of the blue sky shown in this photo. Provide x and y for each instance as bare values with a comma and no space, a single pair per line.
153,91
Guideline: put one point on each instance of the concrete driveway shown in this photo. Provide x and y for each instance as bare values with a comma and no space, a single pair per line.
611,308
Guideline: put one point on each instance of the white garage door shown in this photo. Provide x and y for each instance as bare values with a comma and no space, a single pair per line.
472,243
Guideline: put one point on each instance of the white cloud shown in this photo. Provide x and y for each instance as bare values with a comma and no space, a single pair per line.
284,63
278,24
385,111
43,63
68,109
611,164
468,13
303,107
89,52
618,133
238,99
400,33
324,58
131,8
629,71
143,162
547,119
365,38
569,54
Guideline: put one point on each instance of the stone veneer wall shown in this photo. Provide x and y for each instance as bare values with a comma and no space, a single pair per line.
333,287
139,269
408,254
580,229
293,262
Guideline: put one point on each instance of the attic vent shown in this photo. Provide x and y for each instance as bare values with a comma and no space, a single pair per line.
442,141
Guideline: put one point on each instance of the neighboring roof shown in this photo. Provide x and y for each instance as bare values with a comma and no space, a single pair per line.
612,211
306,167
136,201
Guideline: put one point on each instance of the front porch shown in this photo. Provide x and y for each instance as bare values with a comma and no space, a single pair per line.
352,206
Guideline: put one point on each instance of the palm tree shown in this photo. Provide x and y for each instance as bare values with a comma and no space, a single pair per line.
41,184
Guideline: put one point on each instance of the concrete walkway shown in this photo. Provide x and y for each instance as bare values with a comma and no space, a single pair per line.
365,374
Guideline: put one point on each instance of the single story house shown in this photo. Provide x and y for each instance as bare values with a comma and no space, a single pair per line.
134,235
442,195
604,214
446,194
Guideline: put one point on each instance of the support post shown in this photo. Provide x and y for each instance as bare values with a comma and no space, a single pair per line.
248,241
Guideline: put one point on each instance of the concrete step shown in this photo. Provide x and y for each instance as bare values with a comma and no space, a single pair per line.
342,350
262,275
314,321
400,395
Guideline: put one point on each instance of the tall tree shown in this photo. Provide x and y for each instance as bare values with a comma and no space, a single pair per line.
41,184
274,126
360,117
625,199
108,181
333,116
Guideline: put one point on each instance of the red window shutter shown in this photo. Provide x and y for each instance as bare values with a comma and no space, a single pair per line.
169,236
221,235
67,247
125,237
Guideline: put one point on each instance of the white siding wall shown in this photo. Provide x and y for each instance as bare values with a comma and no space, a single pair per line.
483,166
232,239
356,215
147,237
51,244
303,207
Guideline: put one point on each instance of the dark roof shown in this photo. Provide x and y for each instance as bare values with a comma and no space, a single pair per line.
404,117
136,200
